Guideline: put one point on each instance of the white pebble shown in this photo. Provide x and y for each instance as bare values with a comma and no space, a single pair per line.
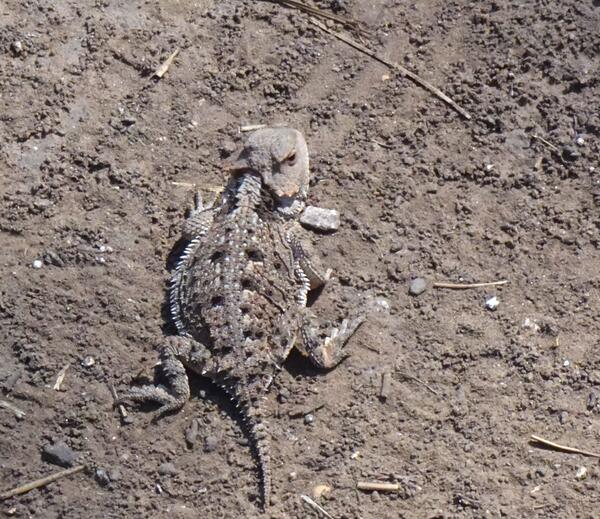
581,473
320,218
491,303
566,363
580,141
37,264
88,362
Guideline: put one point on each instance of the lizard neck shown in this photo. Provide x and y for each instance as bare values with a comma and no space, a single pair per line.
248,192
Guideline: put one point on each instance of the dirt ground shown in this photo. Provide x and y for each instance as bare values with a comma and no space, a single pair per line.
99,162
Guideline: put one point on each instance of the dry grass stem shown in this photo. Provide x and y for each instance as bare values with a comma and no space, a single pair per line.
11,407
162,70
556,446
41,482
464,286
374,486
404,71
316,506
252,127
60,377
418,381
121,407
294,4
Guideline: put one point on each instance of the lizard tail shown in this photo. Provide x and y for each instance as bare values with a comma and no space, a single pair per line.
262,450
253,420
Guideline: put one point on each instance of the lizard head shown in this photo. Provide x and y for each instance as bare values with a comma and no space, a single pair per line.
280,157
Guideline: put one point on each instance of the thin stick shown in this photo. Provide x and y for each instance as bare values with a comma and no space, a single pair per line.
418,381
557,446
162,70
60,377
347,22
552,147
463,286
315,506
122,410
252,127
42,482
411,75
547,143
372,486
18,412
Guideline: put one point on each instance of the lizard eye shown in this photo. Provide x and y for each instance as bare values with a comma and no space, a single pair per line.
290,160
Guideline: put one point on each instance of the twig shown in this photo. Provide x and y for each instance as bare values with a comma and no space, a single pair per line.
347,22
252,127
419,381
297,413
537,439
162,70
315,506
372,486
463,286
386,384
552,147
60,377
121,407
18,412
411,75
41,482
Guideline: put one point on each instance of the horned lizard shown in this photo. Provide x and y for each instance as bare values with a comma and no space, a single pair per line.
238,295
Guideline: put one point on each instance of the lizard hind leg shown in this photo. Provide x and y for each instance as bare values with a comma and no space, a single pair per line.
327,352
178,353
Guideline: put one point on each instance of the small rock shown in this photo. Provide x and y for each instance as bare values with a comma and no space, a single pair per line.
581,473
37,264
417,286
292,476
191,434
319,490
211,443
320,219
115,475
563,416
88,361
592,400
59,453
17,47
491,303
102,477
309,418
167,469
580,141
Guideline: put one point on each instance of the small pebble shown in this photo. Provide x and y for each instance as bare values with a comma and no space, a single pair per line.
580,141
102,477
491,303
292,476
59,453
320,219
581,473
17,47
211,443
563,416
37,264
88,361
115,475
309,418
191,434
417,286
167,469
566,363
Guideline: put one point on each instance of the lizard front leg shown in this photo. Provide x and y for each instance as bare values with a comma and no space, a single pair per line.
326,351
199,219
178,353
